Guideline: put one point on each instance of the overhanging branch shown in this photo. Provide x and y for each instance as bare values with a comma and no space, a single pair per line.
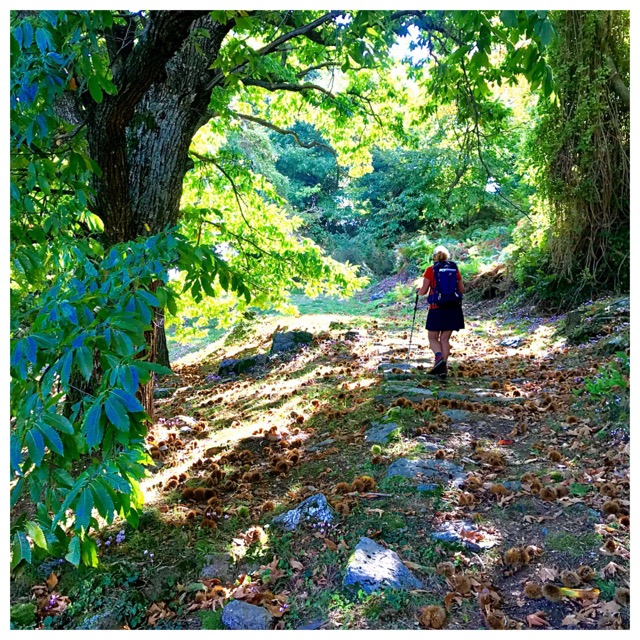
285,132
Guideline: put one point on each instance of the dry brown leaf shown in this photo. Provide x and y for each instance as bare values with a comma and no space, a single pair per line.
537,619
330,544
450,598
546,574
296,565
52,581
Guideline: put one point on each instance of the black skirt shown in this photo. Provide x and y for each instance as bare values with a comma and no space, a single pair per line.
445,319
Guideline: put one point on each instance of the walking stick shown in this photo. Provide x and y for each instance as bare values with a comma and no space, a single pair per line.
413,323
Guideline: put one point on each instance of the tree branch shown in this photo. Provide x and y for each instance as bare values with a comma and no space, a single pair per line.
286,86
285,132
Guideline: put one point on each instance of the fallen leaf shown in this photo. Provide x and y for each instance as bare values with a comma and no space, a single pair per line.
52,581
330,545
537,619
546,574
296,565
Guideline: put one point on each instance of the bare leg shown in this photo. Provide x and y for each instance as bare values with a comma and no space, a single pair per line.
434,342
444,341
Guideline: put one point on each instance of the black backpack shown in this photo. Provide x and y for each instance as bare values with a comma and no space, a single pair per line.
446,294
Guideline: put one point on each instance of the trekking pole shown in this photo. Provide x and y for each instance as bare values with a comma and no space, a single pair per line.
413,324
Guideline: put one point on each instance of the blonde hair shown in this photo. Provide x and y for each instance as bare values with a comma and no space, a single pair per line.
440,254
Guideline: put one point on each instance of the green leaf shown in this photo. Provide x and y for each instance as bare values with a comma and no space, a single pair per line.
103,501
92,427
37,535
15,452
89,552
59,422
130,402
547,33
95,89
35,444
116,413
154,366
509,18
52,438
73,553
83,509
20,549
42,39
84,358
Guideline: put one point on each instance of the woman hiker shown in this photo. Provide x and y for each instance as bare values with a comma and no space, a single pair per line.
444,287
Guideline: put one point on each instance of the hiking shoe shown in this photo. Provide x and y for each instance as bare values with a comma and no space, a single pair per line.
439,370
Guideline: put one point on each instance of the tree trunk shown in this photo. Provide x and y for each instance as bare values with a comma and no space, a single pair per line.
162,351
145,149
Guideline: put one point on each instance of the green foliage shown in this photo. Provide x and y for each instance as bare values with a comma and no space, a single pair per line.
612,377
23,616
578,154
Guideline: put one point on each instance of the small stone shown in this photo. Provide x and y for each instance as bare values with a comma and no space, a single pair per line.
106,621
513,485
380,432
442,470
321,445
513,342
451,531
373,567
314,624
314,508
241,615
219,565
185,430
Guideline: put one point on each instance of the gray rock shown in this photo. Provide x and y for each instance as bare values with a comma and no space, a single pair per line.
440,470
219,565
373,567
290,341
380,432
459,415
513,342
354,334
228,367
451,532
314,509
242,615
107,620
407,367
428,446
452,395
233,366
185,431
161,392
159,582
513,485
414,391
310,626
321,445
428,487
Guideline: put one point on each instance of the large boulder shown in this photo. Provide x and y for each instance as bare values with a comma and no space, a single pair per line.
315,510
240,615
373,567
290,341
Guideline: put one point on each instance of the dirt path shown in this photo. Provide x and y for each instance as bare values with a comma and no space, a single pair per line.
530,482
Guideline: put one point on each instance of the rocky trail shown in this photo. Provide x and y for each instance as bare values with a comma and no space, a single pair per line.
330,483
